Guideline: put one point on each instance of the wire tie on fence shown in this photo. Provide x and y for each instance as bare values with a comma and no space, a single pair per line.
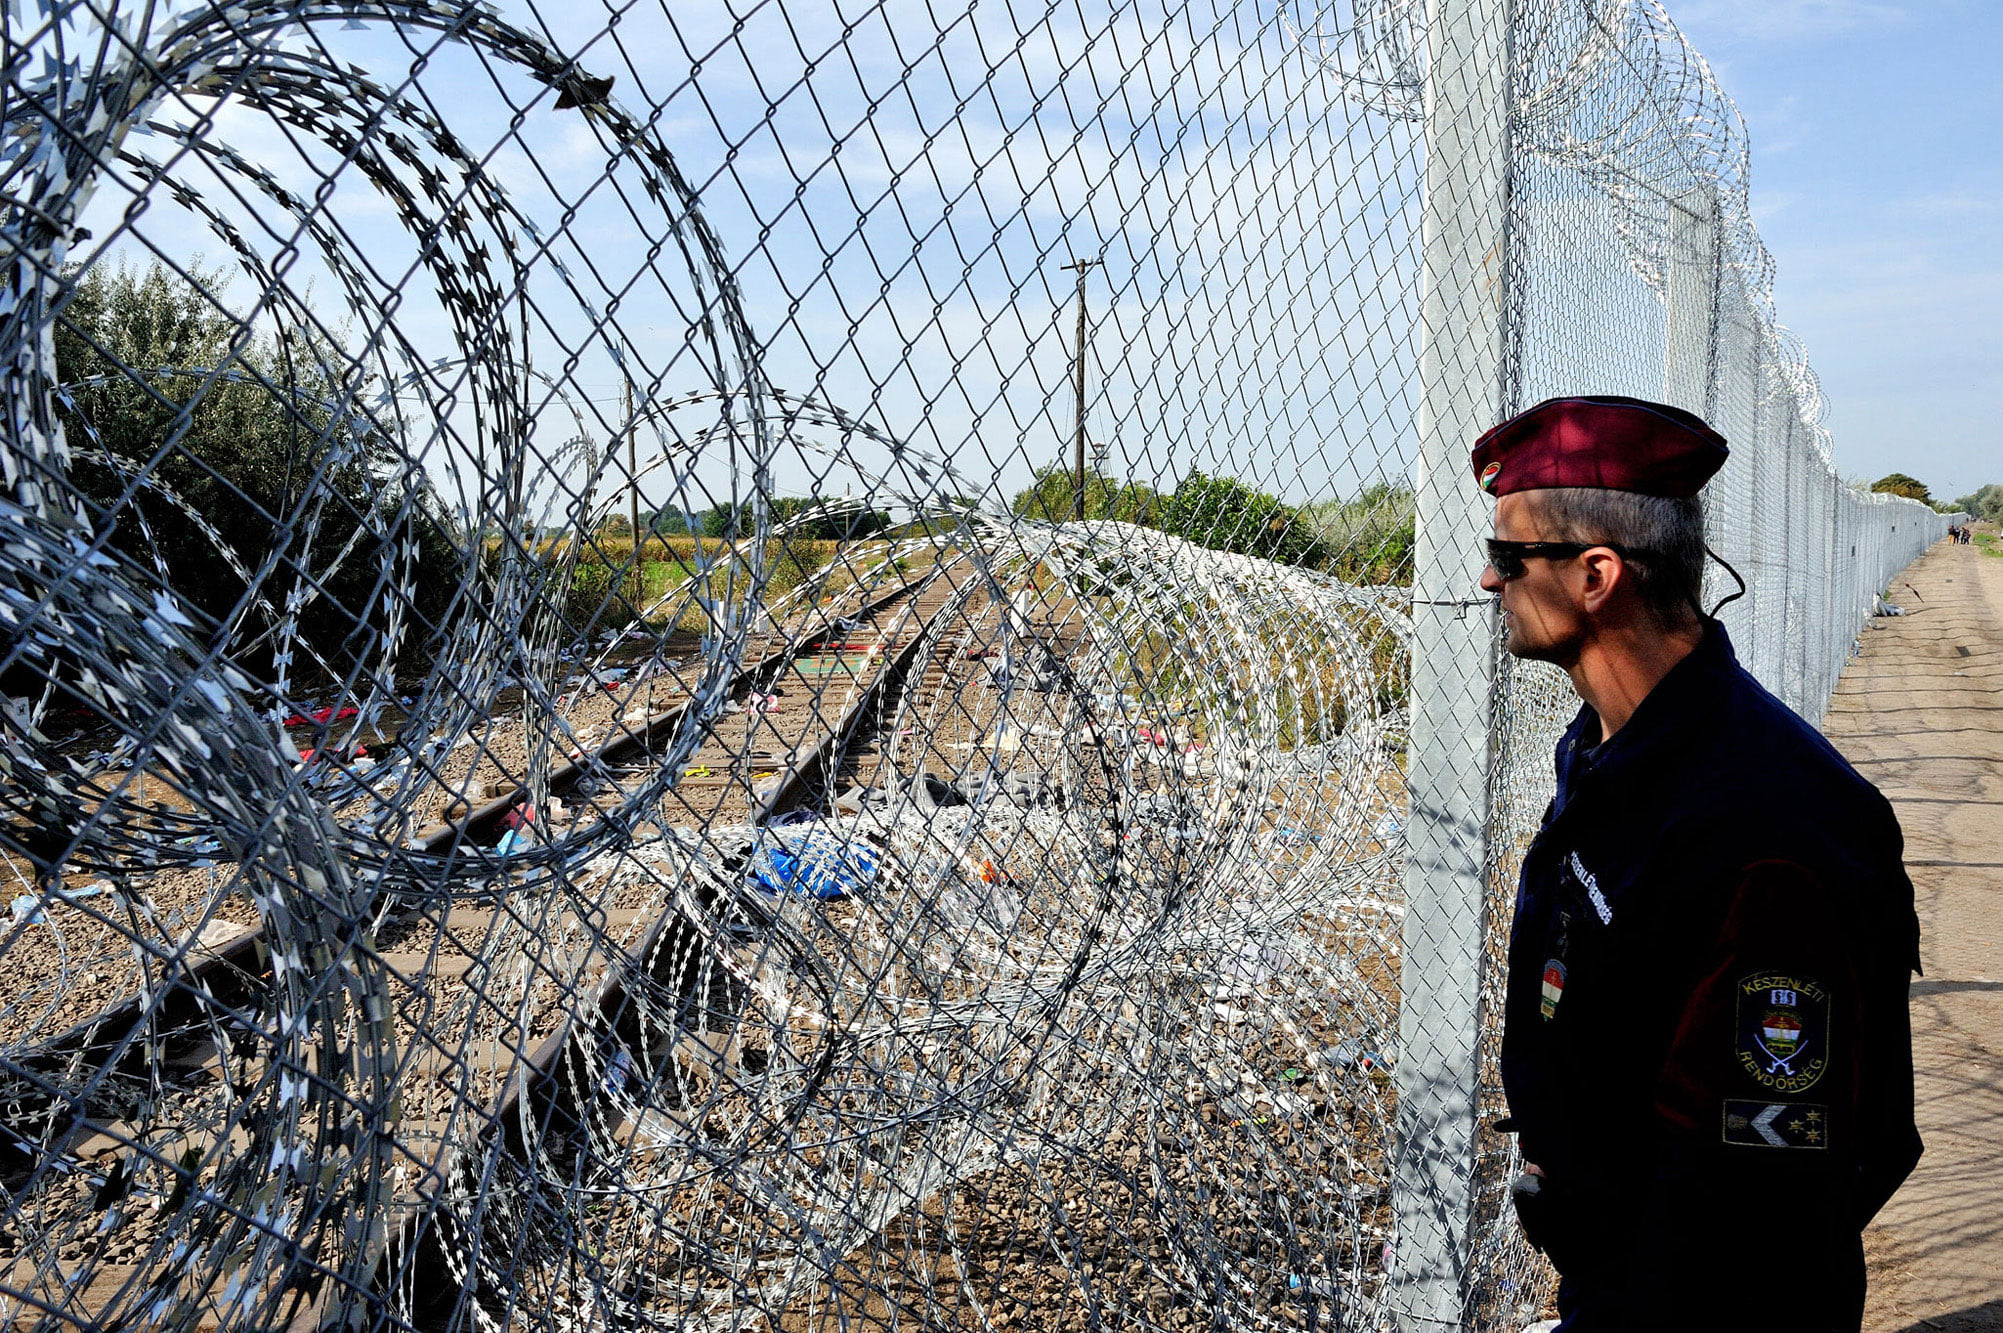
1460,604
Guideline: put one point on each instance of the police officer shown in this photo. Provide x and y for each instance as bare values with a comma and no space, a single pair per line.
1706,1047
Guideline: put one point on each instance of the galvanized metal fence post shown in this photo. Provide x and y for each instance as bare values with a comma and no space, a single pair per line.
1689,375
1467,144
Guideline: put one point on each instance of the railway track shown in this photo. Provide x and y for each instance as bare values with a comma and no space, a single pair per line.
574,1047
802,713
811,716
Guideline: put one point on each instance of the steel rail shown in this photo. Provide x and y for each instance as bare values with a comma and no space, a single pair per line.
548,1098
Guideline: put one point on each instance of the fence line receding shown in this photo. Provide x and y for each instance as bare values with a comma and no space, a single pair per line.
815,668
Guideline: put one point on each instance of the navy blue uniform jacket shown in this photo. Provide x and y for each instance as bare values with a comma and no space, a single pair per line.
1706,1043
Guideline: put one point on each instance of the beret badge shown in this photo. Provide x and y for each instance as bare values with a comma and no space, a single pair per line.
1489,474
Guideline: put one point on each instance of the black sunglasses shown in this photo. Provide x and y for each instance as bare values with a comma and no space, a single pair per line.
1506,558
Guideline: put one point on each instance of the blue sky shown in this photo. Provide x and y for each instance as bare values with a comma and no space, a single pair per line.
1213,188
1877,142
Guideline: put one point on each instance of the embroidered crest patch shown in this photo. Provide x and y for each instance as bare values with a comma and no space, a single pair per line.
1783,1031
1489,474
1554,987
1776,1124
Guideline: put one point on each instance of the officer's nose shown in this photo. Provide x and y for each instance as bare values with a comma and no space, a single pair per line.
1491,582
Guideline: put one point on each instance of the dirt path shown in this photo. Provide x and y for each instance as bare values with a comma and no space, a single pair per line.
1921,714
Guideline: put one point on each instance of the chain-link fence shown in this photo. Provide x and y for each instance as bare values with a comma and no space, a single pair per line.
814,666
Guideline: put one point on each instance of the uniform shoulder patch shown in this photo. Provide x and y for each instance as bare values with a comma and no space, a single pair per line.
1776,1124
1783,1031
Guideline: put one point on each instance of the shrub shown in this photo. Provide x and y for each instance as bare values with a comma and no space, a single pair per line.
230,430
1370,538
1053,496
1227,515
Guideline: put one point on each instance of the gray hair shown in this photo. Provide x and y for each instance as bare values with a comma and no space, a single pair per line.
1665,539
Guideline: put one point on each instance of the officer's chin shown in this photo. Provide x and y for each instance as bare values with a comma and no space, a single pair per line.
1519,645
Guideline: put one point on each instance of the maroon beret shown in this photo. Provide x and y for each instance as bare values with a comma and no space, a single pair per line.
1608,443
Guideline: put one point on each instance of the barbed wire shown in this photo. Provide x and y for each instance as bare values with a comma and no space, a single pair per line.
483,855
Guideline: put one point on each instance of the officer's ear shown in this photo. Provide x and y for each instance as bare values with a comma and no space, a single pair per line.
1606,575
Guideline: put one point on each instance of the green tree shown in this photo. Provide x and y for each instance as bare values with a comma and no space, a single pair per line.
1898,483
817,519
724,519
667,522
1985,503
200,445
1053,495
1227,515
1370,539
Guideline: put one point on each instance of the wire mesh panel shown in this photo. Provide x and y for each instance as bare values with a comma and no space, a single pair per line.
1635,269
680,668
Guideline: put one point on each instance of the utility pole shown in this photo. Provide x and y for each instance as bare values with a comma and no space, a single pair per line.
633,494
1078,462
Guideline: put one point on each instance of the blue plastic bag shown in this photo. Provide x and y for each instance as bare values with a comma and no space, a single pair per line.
815,866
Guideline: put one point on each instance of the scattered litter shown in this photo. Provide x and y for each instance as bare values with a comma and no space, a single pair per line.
828,666
357,755
1352,1053
322,716
811,863
619,1072
29,907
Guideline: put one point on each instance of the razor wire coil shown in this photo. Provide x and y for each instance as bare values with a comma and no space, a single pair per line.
896,882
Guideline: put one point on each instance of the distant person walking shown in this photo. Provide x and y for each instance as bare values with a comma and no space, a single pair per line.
1706,1047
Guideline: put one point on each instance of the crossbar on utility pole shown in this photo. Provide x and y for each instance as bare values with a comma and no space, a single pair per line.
1464,274
1078,439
